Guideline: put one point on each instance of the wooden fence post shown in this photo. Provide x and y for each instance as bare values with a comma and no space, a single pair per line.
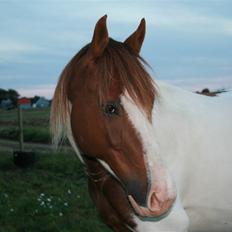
20,123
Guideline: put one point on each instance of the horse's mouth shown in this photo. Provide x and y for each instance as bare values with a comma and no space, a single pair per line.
161,210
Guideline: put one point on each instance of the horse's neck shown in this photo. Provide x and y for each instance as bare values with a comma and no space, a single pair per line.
179,115
187,126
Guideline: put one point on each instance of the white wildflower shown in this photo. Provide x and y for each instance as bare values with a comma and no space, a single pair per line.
42,203
66,204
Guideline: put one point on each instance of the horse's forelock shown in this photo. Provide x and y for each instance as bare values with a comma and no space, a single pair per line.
131,73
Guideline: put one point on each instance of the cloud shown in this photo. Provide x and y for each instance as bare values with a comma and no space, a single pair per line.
39,90
13,49
179,15
194,84
228,27
38,38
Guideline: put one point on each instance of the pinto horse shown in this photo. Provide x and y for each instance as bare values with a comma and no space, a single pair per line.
158,158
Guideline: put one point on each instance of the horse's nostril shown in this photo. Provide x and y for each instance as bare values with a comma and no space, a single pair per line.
157,202
138,192
154,203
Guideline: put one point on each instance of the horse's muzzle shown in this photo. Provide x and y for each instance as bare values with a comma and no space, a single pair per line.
156,206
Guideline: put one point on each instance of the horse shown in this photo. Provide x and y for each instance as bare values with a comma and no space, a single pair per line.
158,158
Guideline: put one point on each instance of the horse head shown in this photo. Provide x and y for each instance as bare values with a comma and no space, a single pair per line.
111,97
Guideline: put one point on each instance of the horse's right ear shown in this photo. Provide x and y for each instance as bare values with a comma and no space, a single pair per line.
100,38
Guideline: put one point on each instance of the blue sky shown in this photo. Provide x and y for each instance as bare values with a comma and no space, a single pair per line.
188,43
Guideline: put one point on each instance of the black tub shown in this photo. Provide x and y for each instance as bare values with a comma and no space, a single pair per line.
23,159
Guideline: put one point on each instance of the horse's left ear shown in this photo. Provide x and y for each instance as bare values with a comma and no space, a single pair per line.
100,38
135,40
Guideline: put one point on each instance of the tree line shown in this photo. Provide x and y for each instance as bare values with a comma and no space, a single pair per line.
9,94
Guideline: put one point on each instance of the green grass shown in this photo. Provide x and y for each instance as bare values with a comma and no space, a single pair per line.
31,117
35,124
31,134
50,196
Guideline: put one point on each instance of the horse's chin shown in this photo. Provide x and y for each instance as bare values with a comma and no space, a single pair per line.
157,213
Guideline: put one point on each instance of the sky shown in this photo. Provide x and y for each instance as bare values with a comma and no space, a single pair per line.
188,43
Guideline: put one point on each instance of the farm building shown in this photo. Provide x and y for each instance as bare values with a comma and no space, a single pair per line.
42,102
24,103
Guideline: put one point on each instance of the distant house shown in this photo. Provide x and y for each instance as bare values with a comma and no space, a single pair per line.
24,103
6,104
42,102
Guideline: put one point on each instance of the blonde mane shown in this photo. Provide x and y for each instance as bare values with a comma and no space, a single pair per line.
60,112
60,126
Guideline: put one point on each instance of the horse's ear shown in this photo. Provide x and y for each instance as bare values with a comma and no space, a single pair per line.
135,40
100,38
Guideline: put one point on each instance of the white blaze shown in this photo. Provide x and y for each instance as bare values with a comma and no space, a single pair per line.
156,170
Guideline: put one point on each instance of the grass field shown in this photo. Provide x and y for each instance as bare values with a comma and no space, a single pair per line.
52,195
35,122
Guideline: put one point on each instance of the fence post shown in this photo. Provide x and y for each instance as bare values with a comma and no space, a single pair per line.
20,123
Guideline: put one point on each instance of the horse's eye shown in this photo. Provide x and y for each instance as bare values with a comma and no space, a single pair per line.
111,109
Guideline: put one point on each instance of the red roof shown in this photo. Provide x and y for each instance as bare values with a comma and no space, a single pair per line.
24,100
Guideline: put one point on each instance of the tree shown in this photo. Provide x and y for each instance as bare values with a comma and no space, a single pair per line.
3,94
9,94
35,99
13,96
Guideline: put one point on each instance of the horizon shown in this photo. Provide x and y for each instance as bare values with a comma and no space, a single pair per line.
187,44
48,91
